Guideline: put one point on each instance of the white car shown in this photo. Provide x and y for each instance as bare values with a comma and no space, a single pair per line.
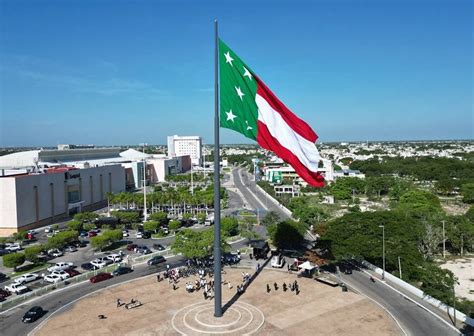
125,233
139,235
26,278
98,263
55,253
61,274
60,266
115,258
12,247
53,278
16,288
47,229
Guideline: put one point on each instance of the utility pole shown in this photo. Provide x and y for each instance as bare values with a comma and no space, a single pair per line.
462,244
192,187
383,250
400,267
145,215
444,242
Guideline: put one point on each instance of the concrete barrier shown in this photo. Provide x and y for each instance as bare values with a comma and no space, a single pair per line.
420,294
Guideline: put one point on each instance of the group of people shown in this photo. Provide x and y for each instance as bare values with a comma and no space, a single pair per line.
294,287
121,303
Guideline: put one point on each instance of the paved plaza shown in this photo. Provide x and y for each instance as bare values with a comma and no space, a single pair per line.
318,310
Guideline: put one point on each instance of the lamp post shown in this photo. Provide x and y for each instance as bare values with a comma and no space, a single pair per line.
444,242
145,215
383,250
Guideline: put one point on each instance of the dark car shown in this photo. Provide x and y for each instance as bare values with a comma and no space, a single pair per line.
146,235
92,234
2,276
156,260
72,272
158,247
33,314
101,277
4,294
131,247
122,270
142,250
3,251
88,267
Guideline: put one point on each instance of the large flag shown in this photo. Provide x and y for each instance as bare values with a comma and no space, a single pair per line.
249,107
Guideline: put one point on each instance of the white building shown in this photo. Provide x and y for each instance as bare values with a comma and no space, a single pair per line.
186,145
31,200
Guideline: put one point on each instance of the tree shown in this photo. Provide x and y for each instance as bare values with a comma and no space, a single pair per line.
113,235
174,225
438,283
467,191
201,217
460,234
345,188
420,201
85,217
20,236
160,216
13,260
61,239
31,253
151,226
100,242
270,218
230,226
75,225
127,216
196,244
287,234
430,241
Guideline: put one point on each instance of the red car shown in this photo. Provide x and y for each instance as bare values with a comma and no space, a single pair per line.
92,234
101,277
131,247
72,272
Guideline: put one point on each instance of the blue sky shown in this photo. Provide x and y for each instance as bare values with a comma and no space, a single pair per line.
126,72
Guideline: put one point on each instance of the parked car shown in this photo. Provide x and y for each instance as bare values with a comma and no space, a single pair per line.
106,260
33,314
146,234
70,249
63,274
3,276
122,270
115,258
278,261
4,294
88,266
142,250
98,263
158,247
100,277
83,234
139,235
47,229
80,243
60,266
156,260
131,247
16,288
92,234
4,251
125,233
13,247
52,278
72,272
55,253
26,278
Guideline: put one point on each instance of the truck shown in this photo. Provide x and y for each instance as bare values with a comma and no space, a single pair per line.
60,266
16,288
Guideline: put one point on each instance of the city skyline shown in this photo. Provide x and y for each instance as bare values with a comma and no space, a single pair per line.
131,72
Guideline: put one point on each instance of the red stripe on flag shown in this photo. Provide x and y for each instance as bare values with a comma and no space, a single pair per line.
298,125
267,141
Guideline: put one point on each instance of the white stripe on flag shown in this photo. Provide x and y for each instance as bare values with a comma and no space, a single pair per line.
305,150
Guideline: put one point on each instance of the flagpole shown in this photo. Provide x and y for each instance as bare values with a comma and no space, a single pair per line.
217,201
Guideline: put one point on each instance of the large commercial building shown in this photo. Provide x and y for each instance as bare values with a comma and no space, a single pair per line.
41,187
276,172
31,200
186,145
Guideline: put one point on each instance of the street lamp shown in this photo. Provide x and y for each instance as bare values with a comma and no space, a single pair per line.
383,249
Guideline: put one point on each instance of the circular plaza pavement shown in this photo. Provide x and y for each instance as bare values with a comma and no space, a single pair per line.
318,309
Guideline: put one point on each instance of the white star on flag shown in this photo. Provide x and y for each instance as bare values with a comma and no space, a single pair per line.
228,59
230,116
248,126
239,92
247,73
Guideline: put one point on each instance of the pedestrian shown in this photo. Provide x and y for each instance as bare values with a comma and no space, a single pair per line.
119,303
288,267
268,288
205,295
297,291
174,286
275,285
229,285
284,287
158,279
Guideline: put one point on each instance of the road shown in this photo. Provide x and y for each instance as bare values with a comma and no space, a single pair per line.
413,319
